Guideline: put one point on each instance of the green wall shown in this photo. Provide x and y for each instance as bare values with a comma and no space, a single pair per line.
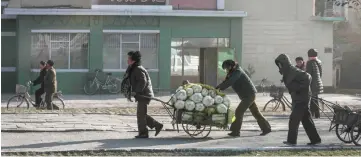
8,56
170,27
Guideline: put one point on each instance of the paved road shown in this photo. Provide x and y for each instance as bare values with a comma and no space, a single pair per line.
52,141
96,101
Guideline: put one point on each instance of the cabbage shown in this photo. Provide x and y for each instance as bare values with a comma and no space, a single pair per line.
189,91
179,88
212,93
198,116
179,104
197,88
210,110
221,108
190,105
226,101
219,118
218,99
181,94
199,107
208,101
197,97
204,92
187,116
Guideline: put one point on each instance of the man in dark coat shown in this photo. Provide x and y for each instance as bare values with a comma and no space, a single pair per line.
50,85
300,64
141,85
40,80
314,68
298,84
246,91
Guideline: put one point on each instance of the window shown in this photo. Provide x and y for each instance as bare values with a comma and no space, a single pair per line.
67,50
117,45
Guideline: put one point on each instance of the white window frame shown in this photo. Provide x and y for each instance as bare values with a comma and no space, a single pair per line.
140,32
63,31
8,69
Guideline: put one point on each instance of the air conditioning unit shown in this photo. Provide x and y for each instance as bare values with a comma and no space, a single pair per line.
83,4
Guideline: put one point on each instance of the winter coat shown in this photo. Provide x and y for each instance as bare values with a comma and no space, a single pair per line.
141,83
296,81
40,79
50,83
240,83
302,67
314,68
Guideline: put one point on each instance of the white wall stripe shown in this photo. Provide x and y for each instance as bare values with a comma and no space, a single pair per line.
65,70
8,69
123,70
8,34
131,31
60,31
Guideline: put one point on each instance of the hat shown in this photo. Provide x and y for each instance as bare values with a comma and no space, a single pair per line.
50,62
312,53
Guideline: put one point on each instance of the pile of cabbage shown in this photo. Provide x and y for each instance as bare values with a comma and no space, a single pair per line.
199,100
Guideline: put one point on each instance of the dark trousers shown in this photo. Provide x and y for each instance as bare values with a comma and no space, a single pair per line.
48,99
143,119
248,103
315,110
38,94
301,113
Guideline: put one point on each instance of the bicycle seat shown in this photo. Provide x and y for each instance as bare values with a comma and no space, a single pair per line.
109,74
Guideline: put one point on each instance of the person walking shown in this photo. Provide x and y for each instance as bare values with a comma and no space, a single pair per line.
246,91
314,68
300,64
138,83
39,80
50,85
298,84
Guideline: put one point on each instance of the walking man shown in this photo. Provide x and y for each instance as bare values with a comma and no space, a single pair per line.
314,68
298,84
50,85
246,91
40,80
141,85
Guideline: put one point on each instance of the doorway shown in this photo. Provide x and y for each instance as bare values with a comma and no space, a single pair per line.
199,60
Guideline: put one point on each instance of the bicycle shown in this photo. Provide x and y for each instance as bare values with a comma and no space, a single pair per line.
263,86
278,99
22,95
112,84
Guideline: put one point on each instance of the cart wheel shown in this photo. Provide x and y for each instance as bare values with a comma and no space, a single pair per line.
343,133
356,135
197,130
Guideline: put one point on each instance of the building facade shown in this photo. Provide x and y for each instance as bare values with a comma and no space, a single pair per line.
285,26
176,43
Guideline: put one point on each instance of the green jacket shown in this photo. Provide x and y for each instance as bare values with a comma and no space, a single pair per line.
50,83
240,83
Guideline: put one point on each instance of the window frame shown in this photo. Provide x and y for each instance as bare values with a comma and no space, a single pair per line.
69,32
140,32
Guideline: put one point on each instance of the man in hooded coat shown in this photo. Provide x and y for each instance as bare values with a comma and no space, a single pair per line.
298,84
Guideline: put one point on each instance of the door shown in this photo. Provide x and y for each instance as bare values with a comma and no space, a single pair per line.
208,68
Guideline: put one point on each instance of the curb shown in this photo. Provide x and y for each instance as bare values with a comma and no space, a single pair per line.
203,150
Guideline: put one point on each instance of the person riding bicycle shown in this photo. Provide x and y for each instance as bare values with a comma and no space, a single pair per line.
298,84
39,80
50,84
246,91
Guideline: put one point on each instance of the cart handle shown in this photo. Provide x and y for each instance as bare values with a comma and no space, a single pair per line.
152,98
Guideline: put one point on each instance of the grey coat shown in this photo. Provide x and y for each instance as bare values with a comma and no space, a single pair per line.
314,68
141,83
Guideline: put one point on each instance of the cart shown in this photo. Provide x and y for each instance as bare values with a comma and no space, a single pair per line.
200,128
346,121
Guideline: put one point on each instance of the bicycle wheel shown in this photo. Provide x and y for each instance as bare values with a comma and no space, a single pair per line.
356,134
58,102
272,105
17,101
91,87
343,133
114,86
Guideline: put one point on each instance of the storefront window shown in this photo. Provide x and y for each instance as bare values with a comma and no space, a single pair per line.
116,47
67,50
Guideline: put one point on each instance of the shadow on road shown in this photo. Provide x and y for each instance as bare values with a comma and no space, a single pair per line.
116,143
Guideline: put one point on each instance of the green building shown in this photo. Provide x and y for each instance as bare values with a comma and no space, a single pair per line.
175,44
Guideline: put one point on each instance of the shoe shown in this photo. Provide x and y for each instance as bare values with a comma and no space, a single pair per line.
158,129
264,133
289,143
232,134
54,107
142,136
314,143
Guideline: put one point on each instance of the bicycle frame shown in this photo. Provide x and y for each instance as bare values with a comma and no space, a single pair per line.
98,82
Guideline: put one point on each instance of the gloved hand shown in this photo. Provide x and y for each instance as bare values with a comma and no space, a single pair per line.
133,94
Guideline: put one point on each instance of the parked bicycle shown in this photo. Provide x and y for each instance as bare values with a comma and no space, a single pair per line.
22,96
278,100
93,84
263,85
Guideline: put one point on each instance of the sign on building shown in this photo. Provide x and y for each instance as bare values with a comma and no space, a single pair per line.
131,2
